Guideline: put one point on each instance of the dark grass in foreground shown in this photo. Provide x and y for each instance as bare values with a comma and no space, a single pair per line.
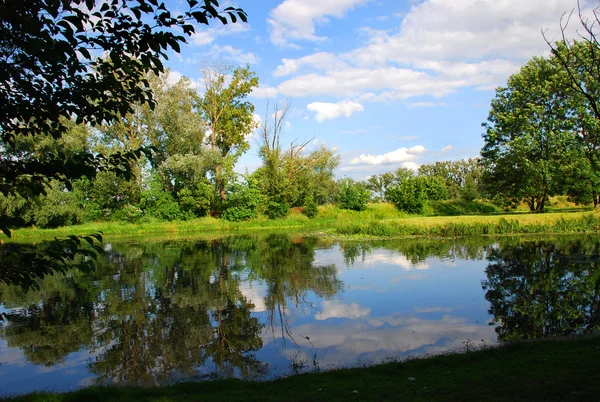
542,370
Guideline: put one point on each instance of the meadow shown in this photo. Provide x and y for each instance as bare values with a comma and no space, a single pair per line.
379,220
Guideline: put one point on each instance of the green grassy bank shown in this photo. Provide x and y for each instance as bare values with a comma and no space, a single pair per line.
561,370
379,220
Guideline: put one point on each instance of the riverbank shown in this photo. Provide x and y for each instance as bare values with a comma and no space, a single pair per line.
379,220
556,369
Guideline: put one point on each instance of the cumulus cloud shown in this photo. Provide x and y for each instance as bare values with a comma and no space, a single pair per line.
447,148
439,47
318,61
400,155
206,36
295,20
330,111
237,55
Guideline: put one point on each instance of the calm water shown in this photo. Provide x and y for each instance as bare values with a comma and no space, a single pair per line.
262,306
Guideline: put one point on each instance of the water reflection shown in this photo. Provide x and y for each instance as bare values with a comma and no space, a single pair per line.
258,306
544,288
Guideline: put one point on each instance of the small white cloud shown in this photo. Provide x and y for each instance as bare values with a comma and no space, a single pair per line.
398,156
205,36
264,92
447,148
330,111
318,61
230,53
174,77
295,19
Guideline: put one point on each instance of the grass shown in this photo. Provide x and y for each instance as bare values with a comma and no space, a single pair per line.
379,220
549,370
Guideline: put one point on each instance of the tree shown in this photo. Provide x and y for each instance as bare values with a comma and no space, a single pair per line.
528,140
229,116
408,196
52,68
289,176
580,59
353,195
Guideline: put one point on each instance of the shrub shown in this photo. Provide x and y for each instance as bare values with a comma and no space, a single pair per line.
195,202
277,208
354,196
58,208
310,208
409,196
129,213
241,203
434,187
160,204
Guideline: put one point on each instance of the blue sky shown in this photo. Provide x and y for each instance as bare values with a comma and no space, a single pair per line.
387,83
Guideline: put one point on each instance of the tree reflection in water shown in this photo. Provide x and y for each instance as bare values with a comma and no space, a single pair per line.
541,288
155,312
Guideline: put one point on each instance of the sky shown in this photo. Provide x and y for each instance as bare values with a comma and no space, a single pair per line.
385,83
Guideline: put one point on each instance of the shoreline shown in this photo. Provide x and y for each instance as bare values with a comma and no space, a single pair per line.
561,368
375,224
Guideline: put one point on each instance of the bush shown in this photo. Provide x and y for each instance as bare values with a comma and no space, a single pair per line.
58,208
241,203
129,213
434,187
310,207
277,208
409,196
354,196
469,191
196,202
159,204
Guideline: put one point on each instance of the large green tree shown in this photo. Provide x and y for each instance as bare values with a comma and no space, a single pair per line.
529,145
228,115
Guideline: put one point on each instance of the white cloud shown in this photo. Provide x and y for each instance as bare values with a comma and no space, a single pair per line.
440,47
330,111
319,61
174,77
295,19
400,155
206,36
335,309
237,55
447,148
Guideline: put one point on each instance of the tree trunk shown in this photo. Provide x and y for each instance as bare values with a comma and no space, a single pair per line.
219,183
531,204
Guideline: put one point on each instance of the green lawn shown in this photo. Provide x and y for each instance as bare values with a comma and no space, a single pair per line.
549,370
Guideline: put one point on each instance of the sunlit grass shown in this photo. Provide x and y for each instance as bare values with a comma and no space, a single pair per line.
378,220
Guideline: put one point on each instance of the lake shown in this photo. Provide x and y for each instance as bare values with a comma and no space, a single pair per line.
262,306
